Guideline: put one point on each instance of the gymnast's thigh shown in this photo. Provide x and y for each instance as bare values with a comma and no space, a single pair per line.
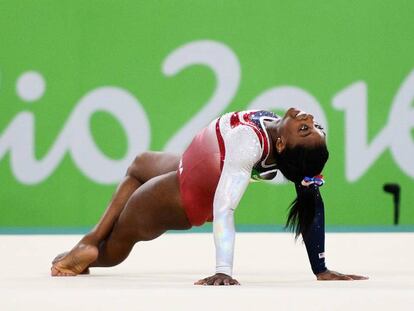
151,164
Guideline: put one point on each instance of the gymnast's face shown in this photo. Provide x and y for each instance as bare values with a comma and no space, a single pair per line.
298,128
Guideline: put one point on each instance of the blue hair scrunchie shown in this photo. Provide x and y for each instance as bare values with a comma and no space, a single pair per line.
316,180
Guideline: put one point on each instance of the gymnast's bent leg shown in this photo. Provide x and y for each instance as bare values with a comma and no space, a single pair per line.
152,210
143,168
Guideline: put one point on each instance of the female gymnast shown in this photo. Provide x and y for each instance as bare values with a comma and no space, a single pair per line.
163,192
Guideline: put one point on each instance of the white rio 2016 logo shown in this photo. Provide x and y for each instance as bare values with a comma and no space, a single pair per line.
75,137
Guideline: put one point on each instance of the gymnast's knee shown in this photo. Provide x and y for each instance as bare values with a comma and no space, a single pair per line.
138,164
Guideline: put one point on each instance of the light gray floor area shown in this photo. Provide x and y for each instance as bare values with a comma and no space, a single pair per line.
273,269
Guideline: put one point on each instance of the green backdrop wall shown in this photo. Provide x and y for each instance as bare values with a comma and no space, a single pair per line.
86,85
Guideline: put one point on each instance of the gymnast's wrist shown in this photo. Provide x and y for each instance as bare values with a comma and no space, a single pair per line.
319,270
225,270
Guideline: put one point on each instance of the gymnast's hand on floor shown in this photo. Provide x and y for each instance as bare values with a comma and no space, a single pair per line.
329,275
218,279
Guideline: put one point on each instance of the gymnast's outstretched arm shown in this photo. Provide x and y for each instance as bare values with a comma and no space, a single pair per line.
315,243
242,152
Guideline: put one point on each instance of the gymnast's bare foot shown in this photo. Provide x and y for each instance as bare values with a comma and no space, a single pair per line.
61,255
74,262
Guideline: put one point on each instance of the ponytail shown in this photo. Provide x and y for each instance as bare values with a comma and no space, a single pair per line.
302,210
295,163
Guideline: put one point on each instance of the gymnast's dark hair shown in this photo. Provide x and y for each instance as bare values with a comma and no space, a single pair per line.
295,163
